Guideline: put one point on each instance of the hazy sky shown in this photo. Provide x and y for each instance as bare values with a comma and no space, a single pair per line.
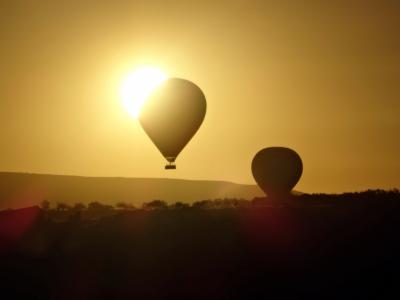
321,77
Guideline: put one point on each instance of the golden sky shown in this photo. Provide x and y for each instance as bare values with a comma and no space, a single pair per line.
320,77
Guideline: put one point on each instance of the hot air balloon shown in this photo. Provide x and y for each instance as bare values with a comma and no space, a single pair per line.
277,170
171,116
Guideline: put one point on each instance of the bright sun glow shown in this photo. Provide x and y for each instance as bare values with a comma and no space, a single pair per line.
138,85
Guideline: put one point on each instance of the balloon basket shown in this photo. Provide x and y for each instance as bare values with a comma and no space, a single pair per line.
170,166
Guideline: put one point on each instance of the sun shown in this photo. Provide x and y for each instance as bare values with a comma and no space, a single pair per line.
138,85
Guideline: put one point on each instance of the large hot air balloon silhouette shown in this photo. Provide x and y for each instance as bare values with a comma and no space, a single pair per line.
171,116
277,170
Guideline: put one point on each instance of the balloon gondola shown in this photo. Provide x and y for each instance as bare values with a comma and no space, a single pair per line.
170,166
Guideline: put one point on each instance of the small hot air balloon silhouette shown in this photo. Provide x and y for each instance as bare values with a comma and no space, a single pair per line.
277,170
171,116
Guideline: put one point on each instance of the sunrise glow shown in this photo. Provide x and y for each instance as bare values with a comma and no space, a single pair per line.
138,85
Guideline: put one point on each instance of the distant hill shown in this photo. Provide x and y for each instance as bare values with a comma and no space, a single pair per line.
22,190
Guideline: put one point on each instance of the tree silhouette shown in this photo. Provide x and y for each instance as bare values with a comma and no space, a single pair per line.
61,206
79,206
155,204
45,205
203,204
124,206
179,205
99,206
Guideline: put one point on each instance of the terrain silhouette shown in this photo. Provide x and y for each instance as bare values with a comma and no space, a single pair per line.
343,246
21,190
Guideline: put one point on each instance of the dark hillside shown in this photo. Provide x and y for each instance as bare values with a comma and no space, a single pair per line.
307,251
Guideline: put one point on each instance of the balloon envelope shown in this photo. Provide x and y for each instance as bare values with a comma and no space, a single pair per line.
277,170
172,115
